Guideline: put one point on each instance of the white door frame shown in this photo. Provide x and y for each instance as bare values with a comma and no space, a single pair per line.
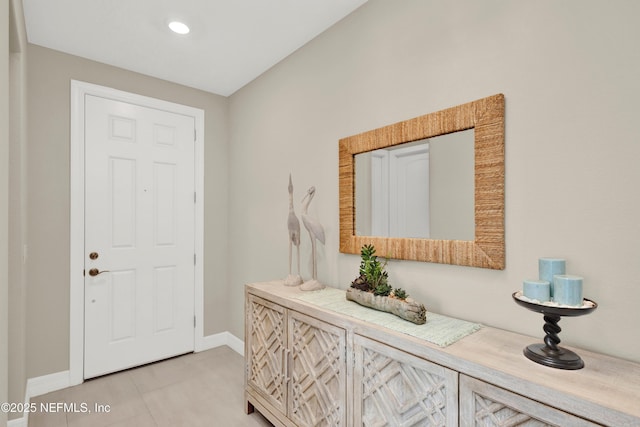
76,316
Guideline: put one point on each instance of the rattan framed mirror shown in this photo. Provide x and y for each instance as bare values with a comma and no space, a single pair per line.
487,250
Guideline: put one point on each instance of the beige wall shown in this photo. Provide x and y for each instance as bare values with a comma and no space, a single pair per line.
569,72
4,197
569,75
49,76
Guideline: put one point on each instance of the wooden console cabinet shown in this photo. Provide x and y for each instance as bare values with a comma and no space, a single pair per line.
309,366
297,365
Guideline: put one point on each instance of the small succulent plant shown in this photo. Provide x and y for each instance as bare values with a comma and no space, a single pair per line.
383,289
400,293
373,277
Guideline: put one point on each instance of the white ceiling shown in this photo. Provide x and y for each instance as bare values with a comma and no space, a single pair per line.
231,41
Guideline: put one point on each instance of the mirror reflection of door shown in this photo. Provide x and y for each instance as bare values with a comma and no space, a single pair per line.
398,192
422,189
409,191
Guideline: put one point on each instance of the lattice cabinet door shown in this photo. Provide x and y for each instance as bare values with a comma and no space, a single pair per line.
394,388
317,369
483,404
266,336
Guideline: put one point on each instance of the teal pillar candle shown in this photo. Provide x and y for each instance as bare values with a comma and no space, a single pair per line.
539,290
548,267
567,289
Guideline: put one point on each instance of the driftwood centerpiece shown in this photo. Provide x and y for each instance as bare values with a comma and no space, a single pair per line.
371,289
407,309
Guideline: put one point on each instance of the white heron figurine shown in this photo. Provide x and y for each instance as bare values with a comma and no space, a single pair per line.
316,232
293,224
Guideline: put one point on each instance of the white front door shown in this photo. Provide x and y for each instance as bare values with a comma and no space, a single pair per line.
139,235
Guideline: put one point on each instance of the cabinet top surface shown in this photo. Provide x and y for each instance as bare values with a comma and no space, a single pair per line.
495,356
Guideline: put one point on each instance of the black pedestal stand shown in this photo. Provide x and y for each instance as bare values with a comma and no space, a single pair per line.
549,354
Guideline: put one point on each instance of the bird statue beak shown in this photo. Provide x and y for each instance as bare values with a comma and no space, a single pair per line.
310,193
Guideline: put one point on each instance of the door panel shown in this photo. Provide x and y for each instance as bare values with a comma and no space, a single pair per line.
122,300
164,293
140,219
122,177
164,204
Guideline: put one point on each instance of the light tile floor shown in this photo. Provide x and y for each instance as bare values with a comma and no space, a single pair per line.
199,389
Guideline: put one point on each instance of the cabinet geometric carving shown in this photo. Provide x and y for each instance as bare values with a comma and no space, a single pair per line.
318,372
491,413
266,350
393,388
296,364
485,405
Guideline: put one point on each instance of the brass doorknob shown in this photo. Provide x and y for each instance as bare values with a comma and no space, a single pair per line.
95,272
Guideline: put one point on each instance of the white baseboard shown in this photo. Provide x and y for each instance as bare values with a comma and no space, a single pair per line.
24,420
223,338
236,344
37,387
47,383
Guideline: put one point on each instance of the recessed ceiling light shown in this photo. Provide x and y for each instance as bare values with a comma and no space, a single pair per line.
179,27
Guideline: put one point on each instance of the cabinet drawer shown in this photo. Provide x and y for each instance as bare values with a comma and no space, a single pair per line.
483,404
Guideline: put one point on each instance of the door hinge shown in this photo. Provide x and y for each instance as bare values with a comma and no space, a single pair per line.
194,259
194,197
195,138
194,321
